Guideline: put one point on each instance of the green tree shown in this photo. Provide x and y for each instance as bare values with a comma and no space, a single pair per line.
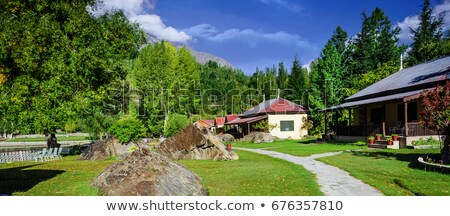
54,51
298,82
427,37
167,79
175,123
223,89
282,78
375,44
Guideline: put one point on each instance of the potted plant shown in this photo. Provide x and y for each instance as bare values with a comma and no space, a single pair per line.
378,136
371,140
394,137
389,140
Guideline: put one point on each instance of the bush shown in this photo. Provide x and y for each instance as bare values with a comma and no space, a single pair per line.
175,123
429,141
127,129
70,127
264,125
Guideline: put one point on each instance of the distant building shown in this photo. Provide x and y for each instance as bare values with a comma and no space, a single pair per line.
285,116
207,124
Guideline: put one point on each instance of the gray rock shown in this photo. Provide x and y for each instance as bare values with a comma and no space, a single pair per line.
194,142
226,137
146,173
260,137
107,148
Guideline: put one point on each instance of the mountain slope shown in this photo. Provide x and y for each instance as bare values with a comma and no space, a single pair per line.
201,57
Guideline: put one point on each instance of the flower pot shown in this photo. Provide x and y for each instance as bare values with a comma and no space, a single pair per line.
378,138
229,147
371,141
389,142
395,138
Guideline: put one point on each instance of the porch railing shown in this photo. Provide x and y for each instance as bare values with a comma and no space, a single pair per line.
414,129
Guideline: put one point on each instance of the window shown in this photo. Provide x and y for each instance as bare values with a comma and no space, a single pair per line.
287,125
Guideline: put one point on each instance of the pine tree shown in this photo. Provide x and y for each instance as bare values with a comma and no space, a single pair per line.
298,82
427,37
375,46
282,78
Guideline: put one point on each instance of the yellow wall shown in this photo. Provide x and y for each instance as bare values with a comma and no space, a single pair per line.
298,123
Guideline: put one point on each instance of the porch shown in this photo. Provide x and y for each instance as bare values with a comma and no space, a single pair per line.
398,116
414,129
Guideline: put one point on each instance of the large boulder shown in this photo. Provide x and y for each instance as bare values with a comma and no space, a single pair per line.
107,148
260,137
195,142
146,173
226,137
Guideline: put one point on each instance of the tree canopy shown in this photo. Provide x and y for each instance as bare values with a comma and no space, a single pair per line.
52,53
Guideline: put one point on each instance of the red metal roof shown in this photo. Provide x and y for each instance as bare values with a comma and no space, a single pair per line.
277,106
206,123
220,122
247,120
230,118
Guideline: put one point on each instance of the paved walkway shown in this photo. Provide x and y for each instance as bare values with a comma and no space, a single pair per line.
333,181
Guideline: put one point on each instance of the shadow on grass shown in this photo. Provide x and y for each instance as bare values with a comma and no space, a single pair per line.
18,179
308,141
332,142
406,157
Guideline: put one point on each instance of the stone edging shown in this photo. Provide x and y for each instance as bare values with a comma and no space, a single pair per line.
433,166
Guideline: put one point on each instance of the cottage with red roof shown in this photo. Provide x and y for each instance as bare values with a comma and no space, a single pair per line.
286,116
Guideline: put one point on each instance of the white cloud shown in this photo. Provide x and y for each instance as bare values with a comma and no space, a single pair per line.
413,21
153,25
251,36
283,3
135,10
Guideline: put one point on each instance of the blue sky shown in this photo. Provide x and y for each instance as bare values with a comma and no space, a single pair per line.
260,33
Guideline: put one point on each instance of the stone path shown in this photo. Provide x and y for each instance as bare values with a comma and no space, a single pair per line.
333,181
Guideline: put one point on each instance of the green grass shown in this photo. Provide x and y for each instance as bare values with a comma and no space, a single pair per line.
305,147
254,175
62,177
43,139
393,172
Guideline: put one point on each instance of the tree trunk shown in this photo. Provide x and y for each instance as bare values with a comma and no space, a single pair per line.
445,152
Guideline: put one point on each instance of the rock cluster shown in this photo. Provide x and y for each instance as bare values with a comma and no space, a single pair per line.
107,148
146,173
260,137
195,142
226,137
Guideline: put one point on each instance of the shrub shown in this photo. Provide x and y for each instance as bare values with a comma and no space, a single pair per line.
70,127
175,123
429,141
264,125
127,129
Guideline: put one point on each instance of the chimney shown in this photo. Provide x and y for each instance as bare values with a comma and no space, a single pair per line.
401,61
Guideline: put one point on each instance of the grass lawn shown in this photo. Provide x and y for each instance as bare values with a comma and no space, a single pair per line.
62,177
393,172
254,175
42,139
305,147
